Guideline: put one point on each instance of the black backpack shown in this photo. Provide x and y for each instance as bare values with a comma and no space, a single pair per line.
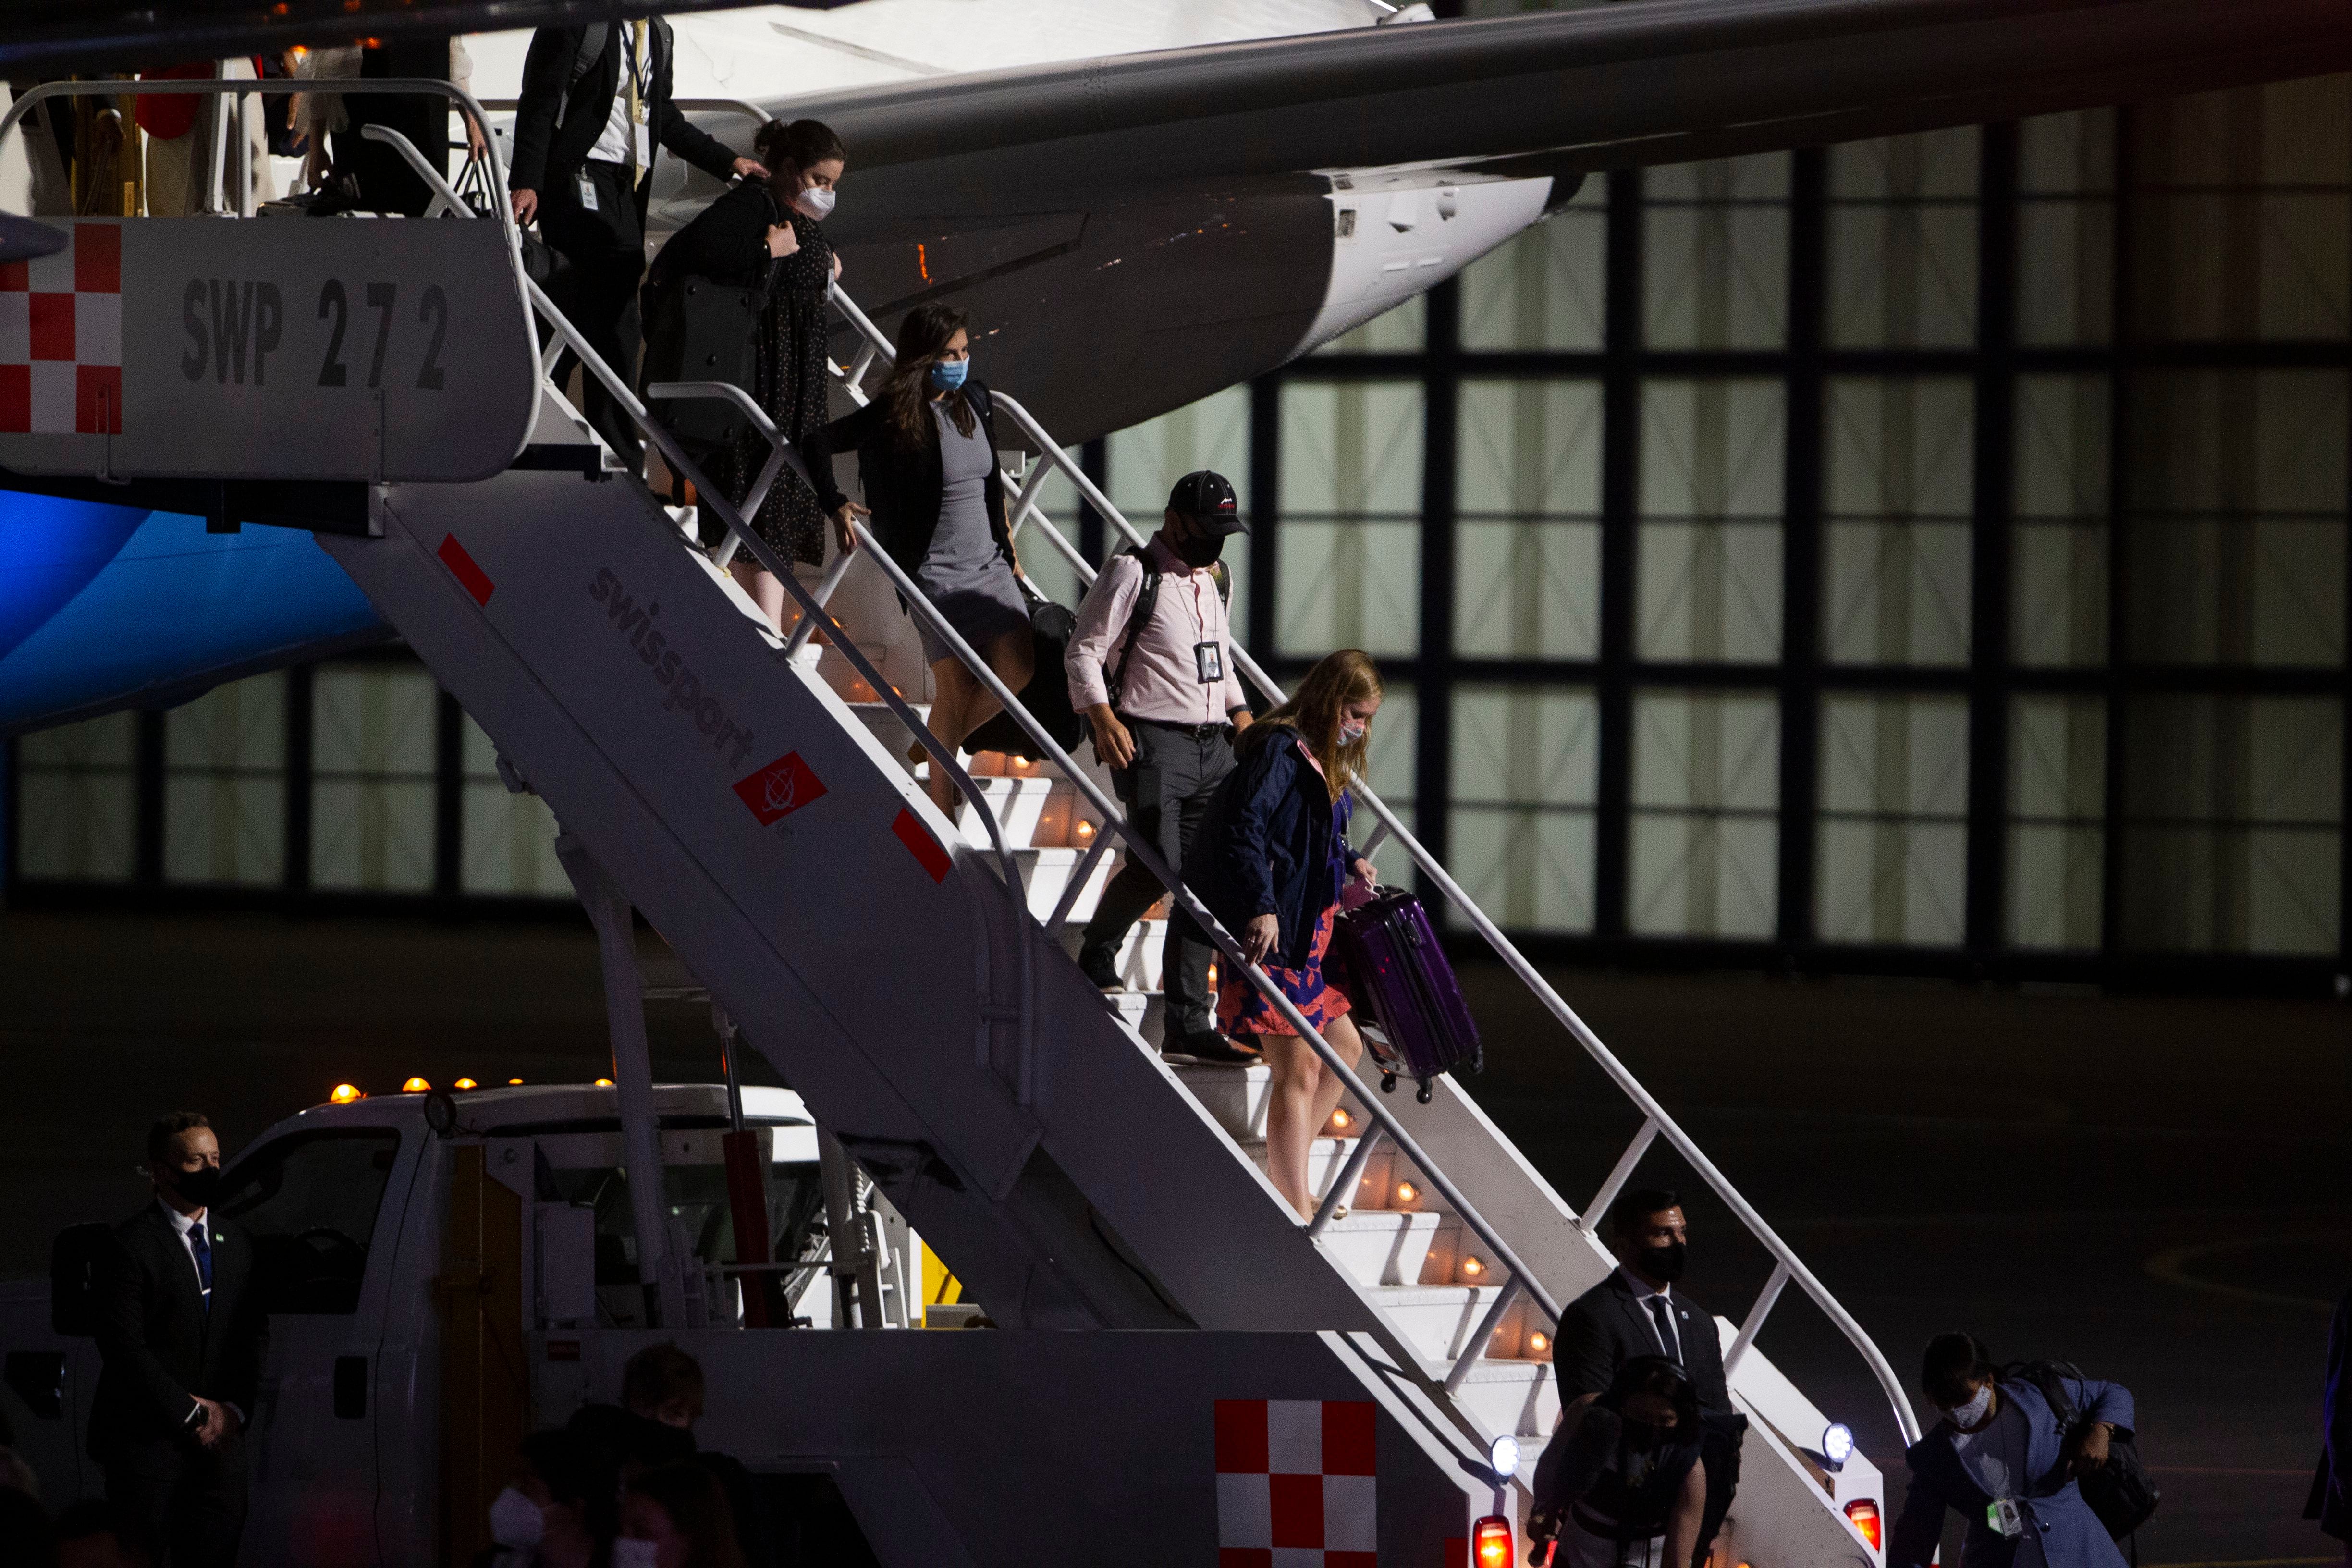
1140,616
2118,1491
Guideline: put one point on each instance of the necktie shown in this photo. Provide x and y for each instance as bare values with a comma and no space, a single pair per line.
197,1239
636,71
1665,1323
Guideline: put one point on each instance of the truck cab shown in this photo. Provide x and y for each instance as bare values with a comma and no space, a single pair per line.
436,1278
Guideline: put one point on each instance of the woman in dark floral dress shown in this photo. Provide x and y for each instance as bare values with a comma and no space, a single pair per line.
773,234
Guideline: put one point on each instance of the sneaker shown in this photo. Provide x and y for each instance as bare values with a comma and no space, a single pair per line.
1210,1048
1101,969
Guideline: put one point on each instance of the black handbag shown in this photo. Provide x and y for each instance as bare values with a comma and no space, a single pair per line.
1047,695
2118,1491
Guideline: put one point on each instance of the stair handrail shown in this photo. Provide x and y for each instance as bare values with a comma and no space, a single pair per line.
813,612
465,102
1145,851
1657,1122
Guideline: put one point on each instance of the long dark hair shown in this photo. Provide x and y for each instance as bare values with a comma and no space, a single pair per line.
803,144
1317,711
906,392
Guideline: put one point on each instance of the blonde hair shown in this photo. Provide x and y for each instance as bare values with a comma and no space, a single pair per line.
1317,709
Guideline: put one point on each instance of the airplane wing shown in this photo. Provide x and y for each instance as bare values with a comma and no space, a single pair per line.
1212,212
1650,82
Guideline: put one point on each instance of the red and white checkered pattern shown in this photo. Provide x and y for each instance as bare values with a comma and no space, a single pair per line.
61,337
1295,1481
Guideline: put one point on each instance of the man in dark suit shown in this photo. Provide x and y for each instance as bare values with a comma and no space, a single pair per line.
595,103
181,1338
1638,1312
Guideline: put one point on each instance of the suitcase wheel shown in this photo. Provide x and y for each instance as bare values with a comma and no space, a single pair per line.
1388,1083
1423,1093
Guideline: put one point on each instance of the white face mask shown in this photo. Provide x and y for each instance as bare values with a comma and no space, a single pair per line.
629,1554
816,202
516,1521
1350,733
1972,1413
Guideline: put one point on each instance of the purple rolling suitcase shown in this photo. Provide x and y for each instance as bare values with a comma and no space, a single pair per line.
1395,971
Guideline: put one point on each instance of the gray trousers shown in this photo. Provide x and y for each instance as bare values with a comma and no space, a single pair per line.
1166,793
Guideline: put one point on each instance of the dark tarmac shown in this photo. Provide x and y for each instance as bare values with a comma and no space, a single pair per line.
2156,1189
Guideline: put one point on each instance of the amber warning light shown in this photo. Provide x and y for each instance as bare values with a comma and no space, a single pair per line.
344,1093
1491,1545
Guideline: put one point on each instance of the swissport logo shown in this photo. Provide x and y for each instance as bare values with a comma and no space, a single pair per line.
781,788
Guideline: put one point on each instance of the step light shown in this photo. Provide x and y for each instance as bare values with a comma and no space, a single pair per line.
415,1086
1492,1548
1472,1268
1863,1514
1503,1457
1407,1192
1537,1344
1837,1446
344,1093
1086,832
1340,1119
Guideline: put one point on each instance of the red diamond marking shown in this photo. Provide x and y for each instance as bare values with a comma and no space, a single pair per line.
781,788
921,845
463,568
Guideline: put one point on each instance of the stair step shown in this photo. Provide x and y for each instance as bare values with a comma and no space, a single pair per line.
1138,958
1519,1396
1381,1246
1240,1106
1437,1320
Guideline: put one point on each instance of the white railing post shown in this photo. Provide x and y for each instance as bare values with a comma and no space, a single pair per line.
1754,1322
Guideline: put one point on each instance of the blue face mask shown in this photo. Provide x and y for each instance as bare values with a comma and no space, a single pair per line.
947,375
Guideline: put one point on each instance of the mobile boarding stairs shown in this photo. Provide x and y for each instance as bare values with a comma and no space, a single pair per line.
749,794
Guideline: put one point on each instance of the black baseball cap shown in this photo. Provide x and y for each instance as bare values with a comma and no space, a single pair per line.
1206,496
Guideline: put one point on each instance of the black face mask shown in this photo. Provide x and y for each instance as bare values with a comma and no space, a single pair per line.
199,1186
1198,552
1663,1261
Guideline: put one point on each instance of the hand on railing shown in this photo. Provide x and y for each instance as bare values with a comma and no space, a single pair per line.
1657,1122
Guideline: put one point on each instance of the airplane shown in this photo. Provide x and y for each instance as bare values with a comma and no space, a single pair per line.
1139,204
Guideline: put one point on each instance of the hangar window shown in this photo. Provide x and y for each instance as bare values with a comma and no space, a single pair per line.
1349,551
1705,832
1524,777
1715,253
77,805
1527,552
224,784
372,821
1902,457
1893,836
1709,574
1903,241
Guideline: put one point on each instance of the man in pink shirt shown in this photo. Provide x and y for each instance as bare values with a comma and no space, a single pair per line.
1151,667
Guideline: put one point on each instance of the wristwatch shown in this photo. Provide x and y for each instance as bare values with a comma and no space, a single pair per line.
194,1418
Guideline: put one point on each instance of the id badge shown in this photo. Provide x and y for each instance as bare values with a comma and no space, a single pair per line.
2008,1520
587,191
1209,662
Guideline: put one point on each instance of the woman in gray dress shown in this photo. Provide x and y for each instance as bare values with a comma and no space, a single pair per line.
926,456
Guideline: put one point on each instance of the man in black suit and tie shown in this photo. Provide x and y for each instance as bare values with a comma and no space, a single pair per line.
1636,1312
181,1338
595,103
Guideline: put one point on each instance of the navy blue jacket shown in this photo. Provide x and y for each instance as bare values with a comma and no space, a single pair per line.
1270,844
2071,1535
